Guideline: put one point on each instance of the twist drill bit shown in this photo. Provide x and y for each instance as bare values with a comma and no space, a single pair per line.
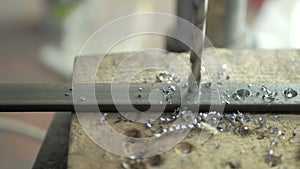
200,22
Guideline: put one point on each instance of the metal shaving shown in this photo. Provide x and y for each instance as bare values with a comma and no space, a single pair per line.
274,141
165,76
102,118
270,151
67,94
281,133
239,123
235,96
273,129
150,125
82,98
173,128
276,117
268,96
118,119
295,130
132,162
244,131
271,159
172,87
168,93
198,122
261,123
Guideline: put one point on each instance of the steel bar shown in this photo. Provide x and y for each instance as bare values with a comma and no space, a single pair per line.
57,97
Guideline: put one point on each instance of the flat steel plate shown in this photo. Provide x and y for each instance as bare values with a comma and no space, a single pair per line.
58,97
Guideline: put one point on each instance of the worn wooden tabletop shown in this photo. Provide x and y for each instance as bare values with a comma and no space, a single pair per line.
222,150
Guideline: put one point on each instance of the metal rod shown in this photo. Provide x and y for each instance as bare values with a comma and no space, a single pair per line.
56,97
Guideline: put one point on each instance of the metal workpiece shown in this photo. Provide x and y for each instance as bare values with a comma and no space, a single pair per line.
257,97
36,97
263,97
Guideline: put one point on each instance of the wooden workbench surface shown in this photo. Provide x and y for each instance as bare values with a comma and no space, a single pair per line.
224,149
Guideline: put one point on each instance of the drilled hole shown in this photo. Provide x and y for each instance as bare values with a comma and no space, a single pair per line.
290,93
243,93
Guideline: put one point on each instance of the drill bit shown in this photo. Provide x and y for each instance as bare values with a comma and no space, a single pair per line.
200,22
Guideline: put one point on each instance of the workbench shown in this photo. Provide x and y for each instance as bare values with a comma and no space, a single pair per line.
223,149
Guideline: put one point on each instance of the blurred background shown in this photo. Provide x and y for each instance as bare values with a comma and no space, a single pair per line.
40,39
